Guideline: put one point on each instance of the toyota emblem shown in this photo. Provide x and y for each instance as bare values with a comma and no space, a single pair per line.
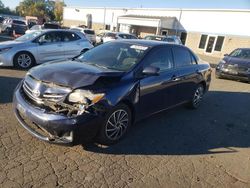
36,93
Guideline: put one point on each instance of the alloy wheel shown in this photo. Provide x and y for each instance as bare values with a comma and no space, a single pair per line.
24,60
117,124
198,96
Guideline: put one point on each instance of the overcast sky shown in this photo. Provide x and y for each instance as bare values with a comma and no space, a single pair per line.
220,4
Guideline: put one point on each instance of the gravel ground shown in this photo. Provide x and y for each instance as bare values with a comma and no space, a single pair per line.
208,147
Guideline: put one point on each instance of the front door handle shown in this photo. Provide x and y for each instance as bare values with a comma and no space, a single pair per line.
175,79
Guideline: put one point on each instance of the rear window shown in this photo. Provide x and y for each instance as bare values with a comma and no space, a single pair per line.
182,57
154,38
133,37
124,36
51,26
19,22
110,34
68,36
169,40
90,32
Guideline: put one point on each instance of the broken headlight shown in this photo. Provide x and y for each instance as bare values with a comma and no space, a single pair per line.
85,97
221,64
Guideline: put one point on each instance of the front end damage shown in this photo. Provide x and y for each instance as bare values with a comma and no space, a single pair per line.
55,113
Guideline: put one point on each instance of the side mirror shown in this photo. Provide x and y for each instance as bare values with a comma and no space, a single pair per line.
151,71
225,54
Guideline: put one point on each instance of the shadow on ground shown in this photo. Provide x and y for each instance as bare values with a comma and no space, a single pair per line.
7,87
222,122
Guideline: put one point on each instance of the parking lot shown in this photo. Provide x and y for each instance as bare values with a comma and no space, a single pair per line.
208,147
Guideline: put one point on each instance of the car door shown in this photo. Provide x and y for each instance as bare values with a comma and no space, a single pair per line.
49,47
72,44
188,72
158,92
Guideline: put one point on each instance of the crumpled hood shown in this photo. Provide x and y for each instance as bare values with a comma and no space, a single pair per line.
12,43
235,60
71,74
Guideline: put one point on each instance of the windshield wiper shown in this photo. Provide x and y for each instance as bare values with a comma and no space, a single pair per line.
97,65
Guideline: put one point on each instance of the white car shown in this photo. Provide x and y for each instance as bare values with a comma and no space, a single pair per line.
109,36
89,33
44,26
34,28
42,46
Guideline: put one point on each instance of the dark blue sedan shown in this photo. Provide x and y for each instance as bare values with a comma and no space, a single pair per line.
103,92
235,65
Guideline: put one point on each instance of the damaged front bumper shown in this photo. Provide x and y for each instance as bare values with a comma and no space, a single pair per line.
53,127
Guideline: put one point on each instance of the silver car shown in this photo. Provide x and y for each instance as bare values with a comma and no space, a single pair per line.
89,33
110,36
42,46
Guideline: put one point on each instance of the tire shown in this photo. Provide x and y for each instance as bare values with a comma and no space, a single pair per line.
24,60
197,97
9,32
114,130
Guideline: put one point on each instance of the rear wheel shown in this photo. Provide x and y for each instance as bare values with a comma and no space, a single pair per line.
116,125
197,97
24,60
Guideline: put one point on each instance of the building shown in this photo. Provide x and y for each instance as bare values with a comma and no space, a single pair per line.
206,31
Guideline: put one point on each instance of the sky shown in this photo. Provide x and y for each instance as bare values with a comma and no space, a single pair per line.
213,4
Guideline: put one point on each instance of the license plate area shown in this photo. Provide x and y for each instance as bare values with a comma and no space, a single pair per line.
21,109
230,71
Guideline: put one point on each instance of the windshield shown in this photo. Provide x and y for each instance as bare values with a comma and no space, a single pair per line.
241,53
35,27
19,22
29,36
88,31
114,55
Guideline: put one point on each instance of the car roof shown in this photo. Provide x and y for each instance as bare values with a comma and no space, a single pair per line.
47,30
243,48
162,36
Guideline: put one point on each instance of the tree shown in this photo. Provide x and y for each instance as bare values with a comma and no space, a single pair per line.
5,10
58,10
41,8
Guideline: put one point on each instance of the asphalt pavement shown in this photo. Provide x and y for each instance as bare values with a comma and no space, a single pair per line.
208,147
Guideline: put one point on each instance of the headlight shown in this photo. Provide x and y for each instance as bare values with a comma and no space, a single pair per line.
2,50
221,64
85,97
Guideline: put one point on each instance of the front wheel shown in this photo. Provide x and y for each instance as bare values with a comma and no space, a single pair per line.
197,97
24,60
116,125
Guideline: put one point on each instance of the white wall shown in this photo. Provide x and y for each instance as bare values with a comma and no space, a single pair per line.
217,22
97,14
227,22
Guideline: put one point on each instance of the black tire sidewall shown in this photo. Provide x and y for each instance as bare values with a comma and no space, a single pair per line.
102,138
193,105
15,62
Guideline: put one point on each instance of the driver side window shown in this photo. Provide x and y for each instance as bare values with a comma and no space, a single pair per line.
161,57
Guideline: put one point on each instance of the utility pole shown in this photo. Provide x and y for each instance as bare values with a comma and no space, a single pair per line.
179,22
104,19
